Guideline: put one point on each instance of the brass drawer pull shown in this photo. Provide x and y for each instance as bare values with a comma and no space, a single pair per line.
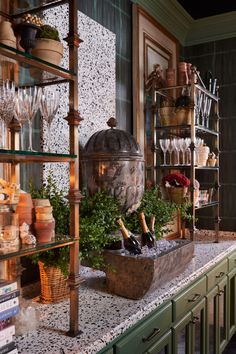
221,292
195,319
195,298
154,333
220,275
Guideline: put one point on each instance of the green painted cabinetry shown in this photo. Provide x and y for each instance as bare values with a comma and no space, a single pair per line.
201,319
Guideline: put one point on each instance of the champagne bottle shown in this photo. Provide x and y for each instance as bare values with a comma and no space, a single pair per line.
151,225
130,243
147,237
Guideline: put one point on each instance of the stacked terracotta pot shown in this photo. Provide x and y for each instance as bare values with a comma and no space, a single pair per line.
44,225
25,209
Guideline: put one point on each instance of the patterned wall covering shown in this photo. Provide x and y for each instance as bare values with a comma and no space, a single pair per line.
97,86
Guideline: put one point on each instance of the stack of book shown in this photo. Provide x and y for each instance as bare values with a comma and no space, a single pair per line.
9,307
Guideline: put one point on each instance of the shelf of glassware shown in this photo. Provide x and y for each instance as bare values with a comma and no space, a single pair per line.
12,251
18,156
183,167
187,128
19,8
35,70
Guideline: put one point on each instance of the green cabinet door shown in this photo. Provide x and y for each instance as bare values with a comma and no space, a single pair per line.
198,329
231,303
217,318
223,313
182,335
163,346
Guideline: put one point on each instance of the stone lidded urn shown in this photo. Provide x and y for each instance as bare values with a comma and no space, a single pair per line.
112,160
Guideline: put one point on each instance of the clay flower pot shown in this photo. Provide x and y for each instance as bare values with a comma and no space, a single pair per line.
44,230
177,195
48,50
41,202
7,36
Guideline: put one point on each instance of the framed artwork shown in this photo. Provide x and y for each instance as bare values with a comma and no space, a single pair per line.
152,45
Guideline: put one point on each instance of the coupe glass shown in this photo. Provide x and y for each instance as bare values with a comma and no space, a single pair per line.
164,144
31,101
20,114
48,106
7,92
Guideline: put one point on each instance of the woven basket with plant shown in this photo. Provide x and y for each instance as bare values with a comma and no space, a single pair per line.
176,187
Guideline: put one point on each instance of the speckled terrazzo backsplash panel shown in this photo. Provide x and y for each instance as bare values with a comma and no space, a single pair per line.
97,86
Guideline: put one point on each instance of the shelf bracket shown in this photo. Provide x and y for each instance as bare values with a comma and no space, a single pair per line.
73,118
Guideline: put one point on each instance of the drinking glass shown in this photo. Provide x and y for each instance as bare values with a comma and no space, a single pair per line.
7,92
20,114
48,106
31,101
186,144
164,143
176,143
171,148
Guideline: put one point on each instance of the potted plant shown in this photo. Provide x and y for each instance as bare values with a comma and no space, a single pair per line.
7,36
48,45
175,187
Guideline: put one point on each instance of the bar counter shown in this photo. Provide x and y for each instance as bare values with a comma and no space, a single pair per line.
103,316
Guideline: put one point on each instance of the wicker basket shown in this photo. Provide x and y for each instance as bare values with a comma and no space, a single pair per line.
177,195
54,287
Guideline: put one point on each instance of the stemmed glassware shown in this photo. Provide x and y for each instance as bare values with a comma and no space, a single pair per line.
171,148
20,114
176,143
49,104
31,101
164,143
7,92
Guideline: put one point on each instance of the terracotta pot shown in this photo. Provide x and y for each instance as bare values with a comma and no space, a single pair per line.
25,200
44,217
41,202
43,209
6,34
183,115
44,231
48,50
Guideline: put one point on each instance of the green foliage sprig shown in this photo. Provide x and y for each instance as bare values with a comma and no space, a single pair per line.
49,32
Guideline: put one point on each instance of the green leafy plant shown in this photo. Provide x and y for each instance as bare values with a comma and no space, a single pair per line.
97,224
153,204
49,32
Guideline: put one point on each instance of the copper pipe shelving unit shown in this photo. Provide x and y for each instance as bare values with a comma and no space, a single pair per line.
13,156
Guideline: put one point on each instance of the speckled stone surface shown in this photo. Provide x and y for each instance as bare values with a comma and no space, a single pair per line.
103,316
96,86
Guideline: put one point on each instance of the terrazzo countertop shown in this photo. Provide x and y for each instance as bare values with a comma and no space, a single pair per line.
103,317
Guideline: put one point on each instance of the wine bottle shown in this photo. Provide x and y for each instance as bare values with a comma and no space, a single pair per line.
146,237
130,243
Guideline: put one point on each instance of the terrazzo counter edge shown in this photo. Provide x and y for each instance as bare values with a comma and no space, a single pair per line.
103,308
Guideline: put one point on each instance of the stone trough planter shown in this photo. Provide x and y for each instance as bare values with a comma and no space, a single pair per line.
134,276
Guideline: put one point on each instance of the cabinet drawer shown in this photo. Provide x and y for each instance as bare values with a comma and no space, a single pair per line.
188,299
147,333
217,274
232,261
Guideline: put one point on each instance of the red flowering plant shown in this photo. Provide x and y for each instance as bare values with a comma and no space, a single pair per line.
177,180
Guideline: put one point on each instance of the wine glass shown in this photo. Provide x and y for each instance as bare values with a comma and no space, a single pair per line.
164,144
31,101
176,143
20,114
171,148
48,106
7,92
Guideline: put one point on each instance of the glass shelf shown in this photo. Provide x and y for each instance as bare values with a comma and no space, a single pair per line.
183,167
33,71
18,156
18,8
24,250
206,205
187,127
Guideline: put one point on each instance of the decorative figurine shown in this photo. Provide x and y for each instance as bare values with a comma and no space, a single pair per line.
26,237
